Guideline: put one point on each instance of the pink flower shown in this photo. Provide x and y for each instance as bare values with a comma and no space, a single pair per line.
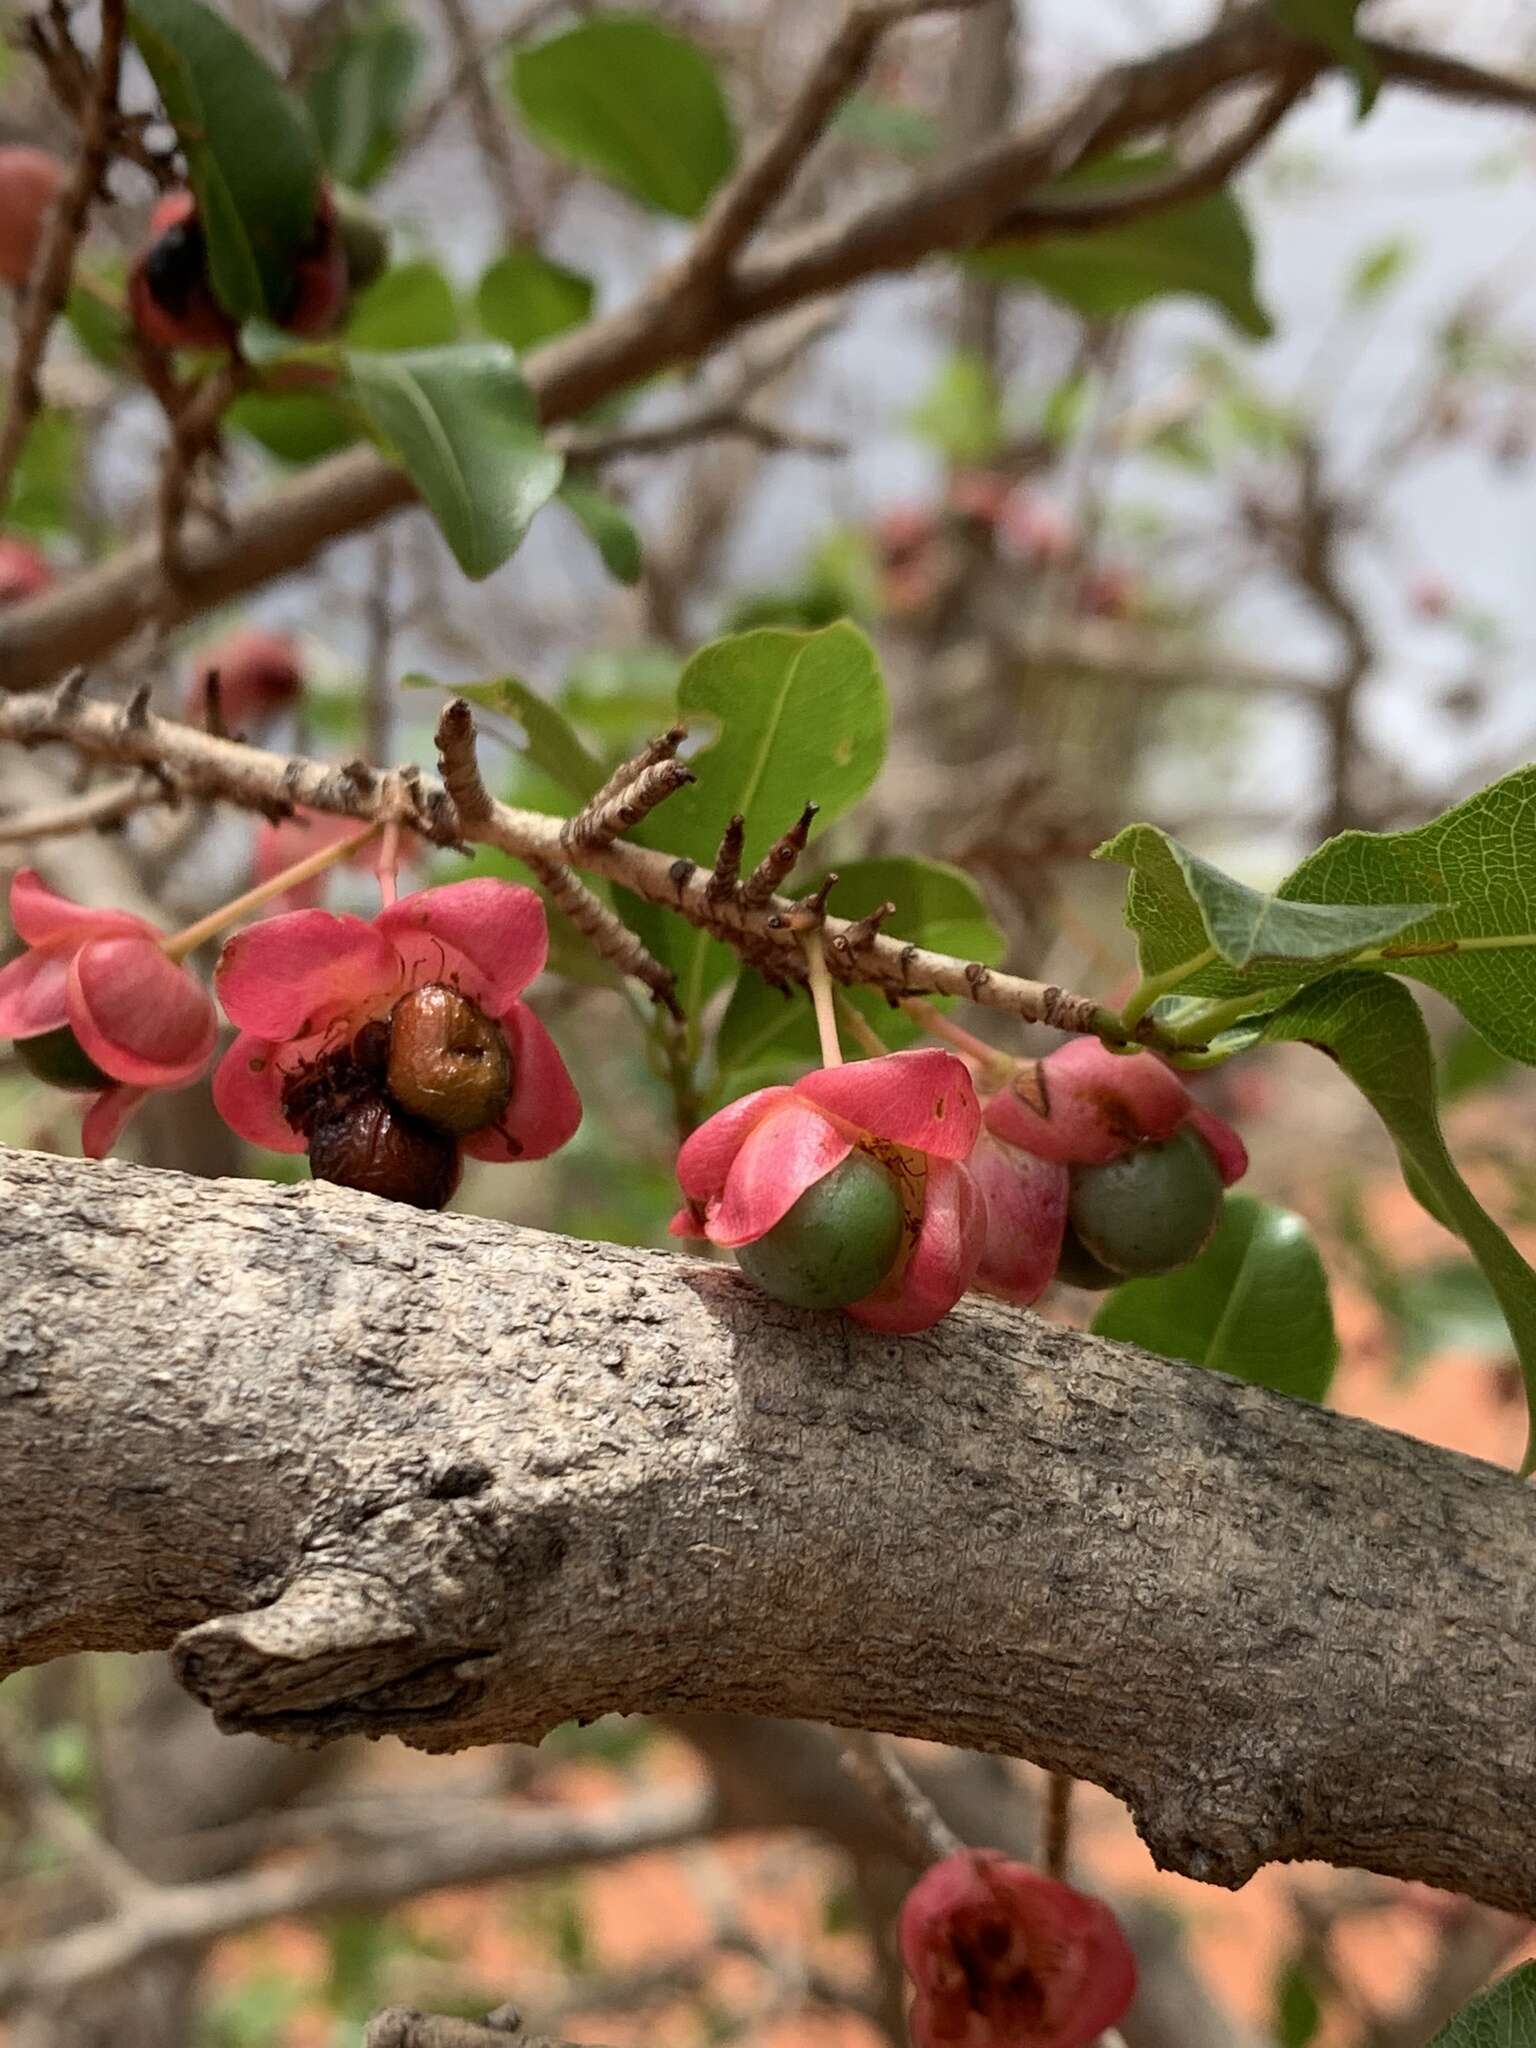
1001,1956
133,1019
1081,1106
326,1030
260,675
914,1112
23,570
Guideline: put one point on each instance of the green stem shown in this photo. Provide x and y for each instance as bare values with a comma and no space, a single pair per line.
1204,1025
1156,985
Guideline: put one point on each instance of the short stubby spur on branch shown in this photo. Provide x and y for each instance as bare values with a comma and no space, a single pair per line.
847,1190
386,1049
96,1005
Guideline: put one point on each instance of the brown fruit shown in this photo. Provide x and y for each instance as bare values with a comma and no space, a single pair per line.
371,1145
448,1063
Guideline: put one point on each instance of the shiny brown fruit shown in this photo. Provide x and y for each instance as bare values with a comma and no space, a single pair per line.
371,1145
448,1063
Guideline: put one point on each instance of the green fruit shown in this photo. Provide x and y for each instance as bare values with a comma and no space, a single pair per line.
1151,1210
1077,1267
836,1244
59,1058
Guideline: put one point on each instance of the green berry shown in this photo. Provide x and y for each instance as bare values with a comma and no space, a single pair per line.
1077,1267
59,1058
1152,1209
836,1244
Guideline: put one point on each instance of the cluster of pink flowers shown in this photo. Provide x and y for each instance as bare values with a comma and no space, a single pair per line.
984,1190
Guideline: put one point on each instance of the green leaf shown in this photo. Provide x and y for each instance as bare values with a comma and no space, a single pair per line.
42,494
1298,2014
1477,863
1180,907
99,322
888,125
358,95
607,525
634,101
1332,23
251,150
295,426
1379,269
1370,1024
548,739
1503,2016
961,412
1255,1303
799,717
525,298
410,306
936,906
1469,1063
1197,246
464,425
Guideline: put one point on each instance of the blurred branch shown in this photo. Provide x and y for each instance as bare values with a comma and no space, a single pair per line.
493,136
716,422
108,805
48,285
487,1845
686,312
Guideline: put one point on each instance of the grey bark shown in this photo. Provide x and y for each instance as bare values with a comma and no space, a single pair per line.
371,1471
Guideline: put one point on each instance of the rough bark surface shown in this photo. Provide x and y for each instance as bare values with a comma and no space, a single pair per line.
374,1471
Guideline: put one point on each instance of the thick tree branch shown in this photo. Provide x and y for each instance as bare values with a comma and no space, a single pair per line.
684,314
381,1472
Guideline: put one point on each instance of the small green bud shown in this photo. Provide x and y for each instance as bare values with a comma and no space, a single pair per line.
1151,1210
836,1244
59,1058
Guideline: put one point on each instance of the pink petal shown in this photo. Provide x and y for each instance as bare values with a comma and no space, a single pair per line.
923,1099
1227,1148
943,1262
498,928
1085,1105
706,1155
105,1119
40,914
139,1016
544,1110
686,1223
291,974
1026,1202
789,1151
32,992
247,1093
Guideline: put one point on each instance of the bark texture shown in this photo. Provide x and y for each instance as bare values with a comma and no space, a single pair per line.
372,1471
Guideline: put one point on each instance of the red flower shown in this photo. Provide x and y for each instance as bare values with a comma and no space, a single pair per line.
1003,1957
23,570
1082,1106
129,1019
305,987
915,1113
260,674
285,842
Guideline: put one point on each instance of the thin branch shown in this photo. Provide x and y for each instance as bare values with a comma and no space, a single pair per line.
48,285
493,138
109,805
255,779
722,422
921,1828
741,206
492,1845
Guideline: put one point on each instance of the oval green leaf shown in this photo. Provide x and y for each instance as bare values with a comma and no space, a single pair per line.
1503,2016
251,150
525,298
633,101
607,525
463,425
1254,1304
358,95
410,306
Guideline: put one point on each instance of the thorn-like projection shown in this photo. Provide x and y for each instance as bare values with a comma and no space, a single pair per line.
846,945
136,710
457,758
361,777
607,932
213,706
600,822
651,755
809,914
776,863
727,869
66,699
